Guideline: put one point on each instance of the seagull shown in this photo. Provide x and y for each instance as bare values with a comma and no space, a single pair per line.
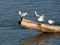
22,14
51,21
40,18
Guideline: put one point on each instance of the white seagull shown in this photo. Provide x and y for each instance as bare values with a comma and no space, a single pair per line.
22,14
51,21
40,18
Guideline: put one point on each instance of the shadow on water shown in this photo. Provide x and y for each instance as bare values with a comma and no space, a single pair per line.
43,39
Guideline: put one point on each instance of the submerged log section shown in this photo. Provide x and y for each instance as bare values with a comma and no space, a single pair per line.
39,26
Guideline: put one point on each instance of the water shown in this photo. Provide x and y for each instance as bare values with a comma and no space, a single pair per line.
10,32
43,39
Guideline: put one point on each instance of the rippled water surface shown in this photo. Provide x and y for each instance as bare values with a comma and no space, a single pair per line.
13,34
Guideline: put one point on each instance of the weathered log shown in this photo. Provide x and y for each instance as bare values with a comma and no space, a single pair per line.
39,26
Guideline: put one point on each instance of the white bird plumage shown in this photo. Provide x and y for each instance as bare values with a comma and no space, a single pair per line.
51,21
37,14
40,18
22,14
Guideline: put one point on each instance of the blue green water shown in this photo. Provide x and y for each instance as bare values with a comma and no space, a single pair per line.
10,32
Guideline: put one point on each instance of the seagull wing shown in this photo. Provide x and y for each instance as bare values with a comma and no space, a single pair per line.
53,21
43,16
19,12
37,14
24,14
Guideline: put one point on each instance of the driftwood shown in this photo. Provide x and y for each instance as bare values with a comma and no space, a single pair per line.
39,26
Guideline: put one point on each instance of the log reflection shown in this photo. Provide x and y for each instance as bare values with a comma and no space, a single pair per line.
43,39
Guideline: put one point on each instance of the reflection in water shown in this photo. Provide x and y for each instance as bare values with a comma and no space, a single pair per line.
43,39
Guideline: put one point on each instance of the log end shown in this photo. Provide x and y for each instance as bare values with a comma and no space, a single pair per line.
20,21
